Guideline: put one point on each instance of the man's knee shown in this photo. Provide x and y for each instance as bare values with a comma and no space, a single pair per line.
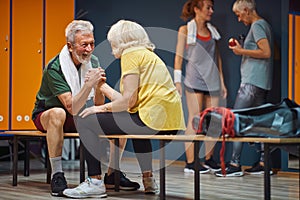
54,117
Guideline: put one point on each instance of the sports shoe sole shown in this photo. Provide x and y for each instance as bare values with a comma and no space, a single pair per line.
150,192
257,173
112,187
212,169
235,174
191,171
59,194
87,196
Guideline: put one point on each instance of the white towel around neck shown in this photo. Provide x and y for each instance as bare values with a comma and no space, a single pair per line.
192,32
71,73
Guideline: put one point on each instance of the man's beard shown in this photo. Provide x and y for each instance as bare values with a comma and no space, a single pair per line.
81,59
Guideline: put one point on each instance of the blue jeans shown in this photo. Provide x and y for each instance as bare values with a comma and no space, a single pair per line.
248,96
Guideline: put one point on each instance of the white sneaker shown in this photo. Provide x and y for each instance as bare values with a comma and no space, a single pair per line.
150,186
89,188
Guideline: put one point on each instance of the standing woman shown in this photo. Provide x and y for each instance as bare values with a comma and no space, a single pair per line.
197,43
256,75
149,102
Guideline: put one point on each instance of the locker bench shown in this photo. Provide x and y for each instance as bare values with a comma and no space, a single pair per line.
269,143
36,135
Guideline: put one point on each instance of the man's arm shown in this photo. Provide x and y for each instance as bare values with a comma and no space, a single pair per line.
73,104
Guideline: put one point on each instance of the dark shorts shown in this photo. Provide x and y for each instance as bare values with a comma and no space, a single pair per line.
212,93
69,125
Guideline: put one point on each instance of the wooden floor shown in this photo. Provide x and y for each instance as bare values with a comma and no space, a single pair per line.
179,185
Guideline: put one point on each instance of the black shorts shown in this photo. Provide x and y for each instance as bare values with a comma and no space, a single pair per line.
212,93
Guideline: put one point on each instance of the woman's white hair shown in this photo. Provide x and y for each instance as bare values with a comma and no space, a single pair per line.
125,34
75,26
240,5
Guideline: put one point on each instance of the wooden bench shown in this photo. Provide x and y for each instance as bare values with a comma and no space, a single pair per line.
269,143
27,136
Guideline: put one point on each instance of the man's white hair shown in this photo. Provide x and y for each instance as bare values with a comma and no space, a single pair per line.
75,26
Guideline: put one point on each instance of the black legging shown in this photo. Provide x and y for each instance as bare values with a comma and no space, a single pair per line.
122,123
93,164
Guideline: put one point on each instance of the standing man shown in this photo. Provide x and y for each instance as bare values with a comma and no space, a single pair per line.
64,91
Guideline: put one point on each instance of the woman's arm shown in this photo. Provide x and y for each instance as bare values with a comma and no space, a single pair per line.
181,42
119,102
263,50
129,96
109,92
220,67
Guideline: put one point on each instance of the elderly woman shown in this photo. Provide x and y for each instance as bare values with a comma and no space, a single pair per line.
256,74
148,103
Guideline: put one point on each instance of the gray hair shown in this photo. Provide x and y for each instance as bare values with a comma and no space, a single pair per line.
125,34
78,26
240,5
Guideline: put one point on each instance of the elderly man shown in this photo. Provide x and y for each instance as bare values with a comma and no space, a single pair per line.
70,80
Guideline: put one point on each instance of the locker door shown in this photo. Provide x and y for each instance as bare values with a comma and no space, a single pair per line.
27,52
56,20
4,62
294,57
297,59
290,73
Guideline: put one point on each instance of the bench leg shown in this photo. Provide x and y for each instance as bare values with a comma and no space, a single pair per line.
267,172
47,163
117,165
81,163
196,174
162,171
27,158
15,161
44,142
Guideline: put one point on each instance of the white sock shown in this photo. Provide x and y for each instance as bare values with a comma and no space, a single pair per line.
96,181
56,165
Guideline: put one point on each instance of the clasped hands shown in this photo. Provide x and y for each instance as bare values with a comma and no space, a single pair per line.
95,77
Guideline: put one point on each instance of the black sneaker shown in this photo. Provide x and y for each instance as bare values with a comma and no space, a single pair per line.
212,165
231,171
58,184
189,168
125,183
257,169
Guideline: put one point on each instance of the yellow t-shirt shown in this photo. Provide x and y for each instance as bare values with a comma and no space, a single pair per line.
159,104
